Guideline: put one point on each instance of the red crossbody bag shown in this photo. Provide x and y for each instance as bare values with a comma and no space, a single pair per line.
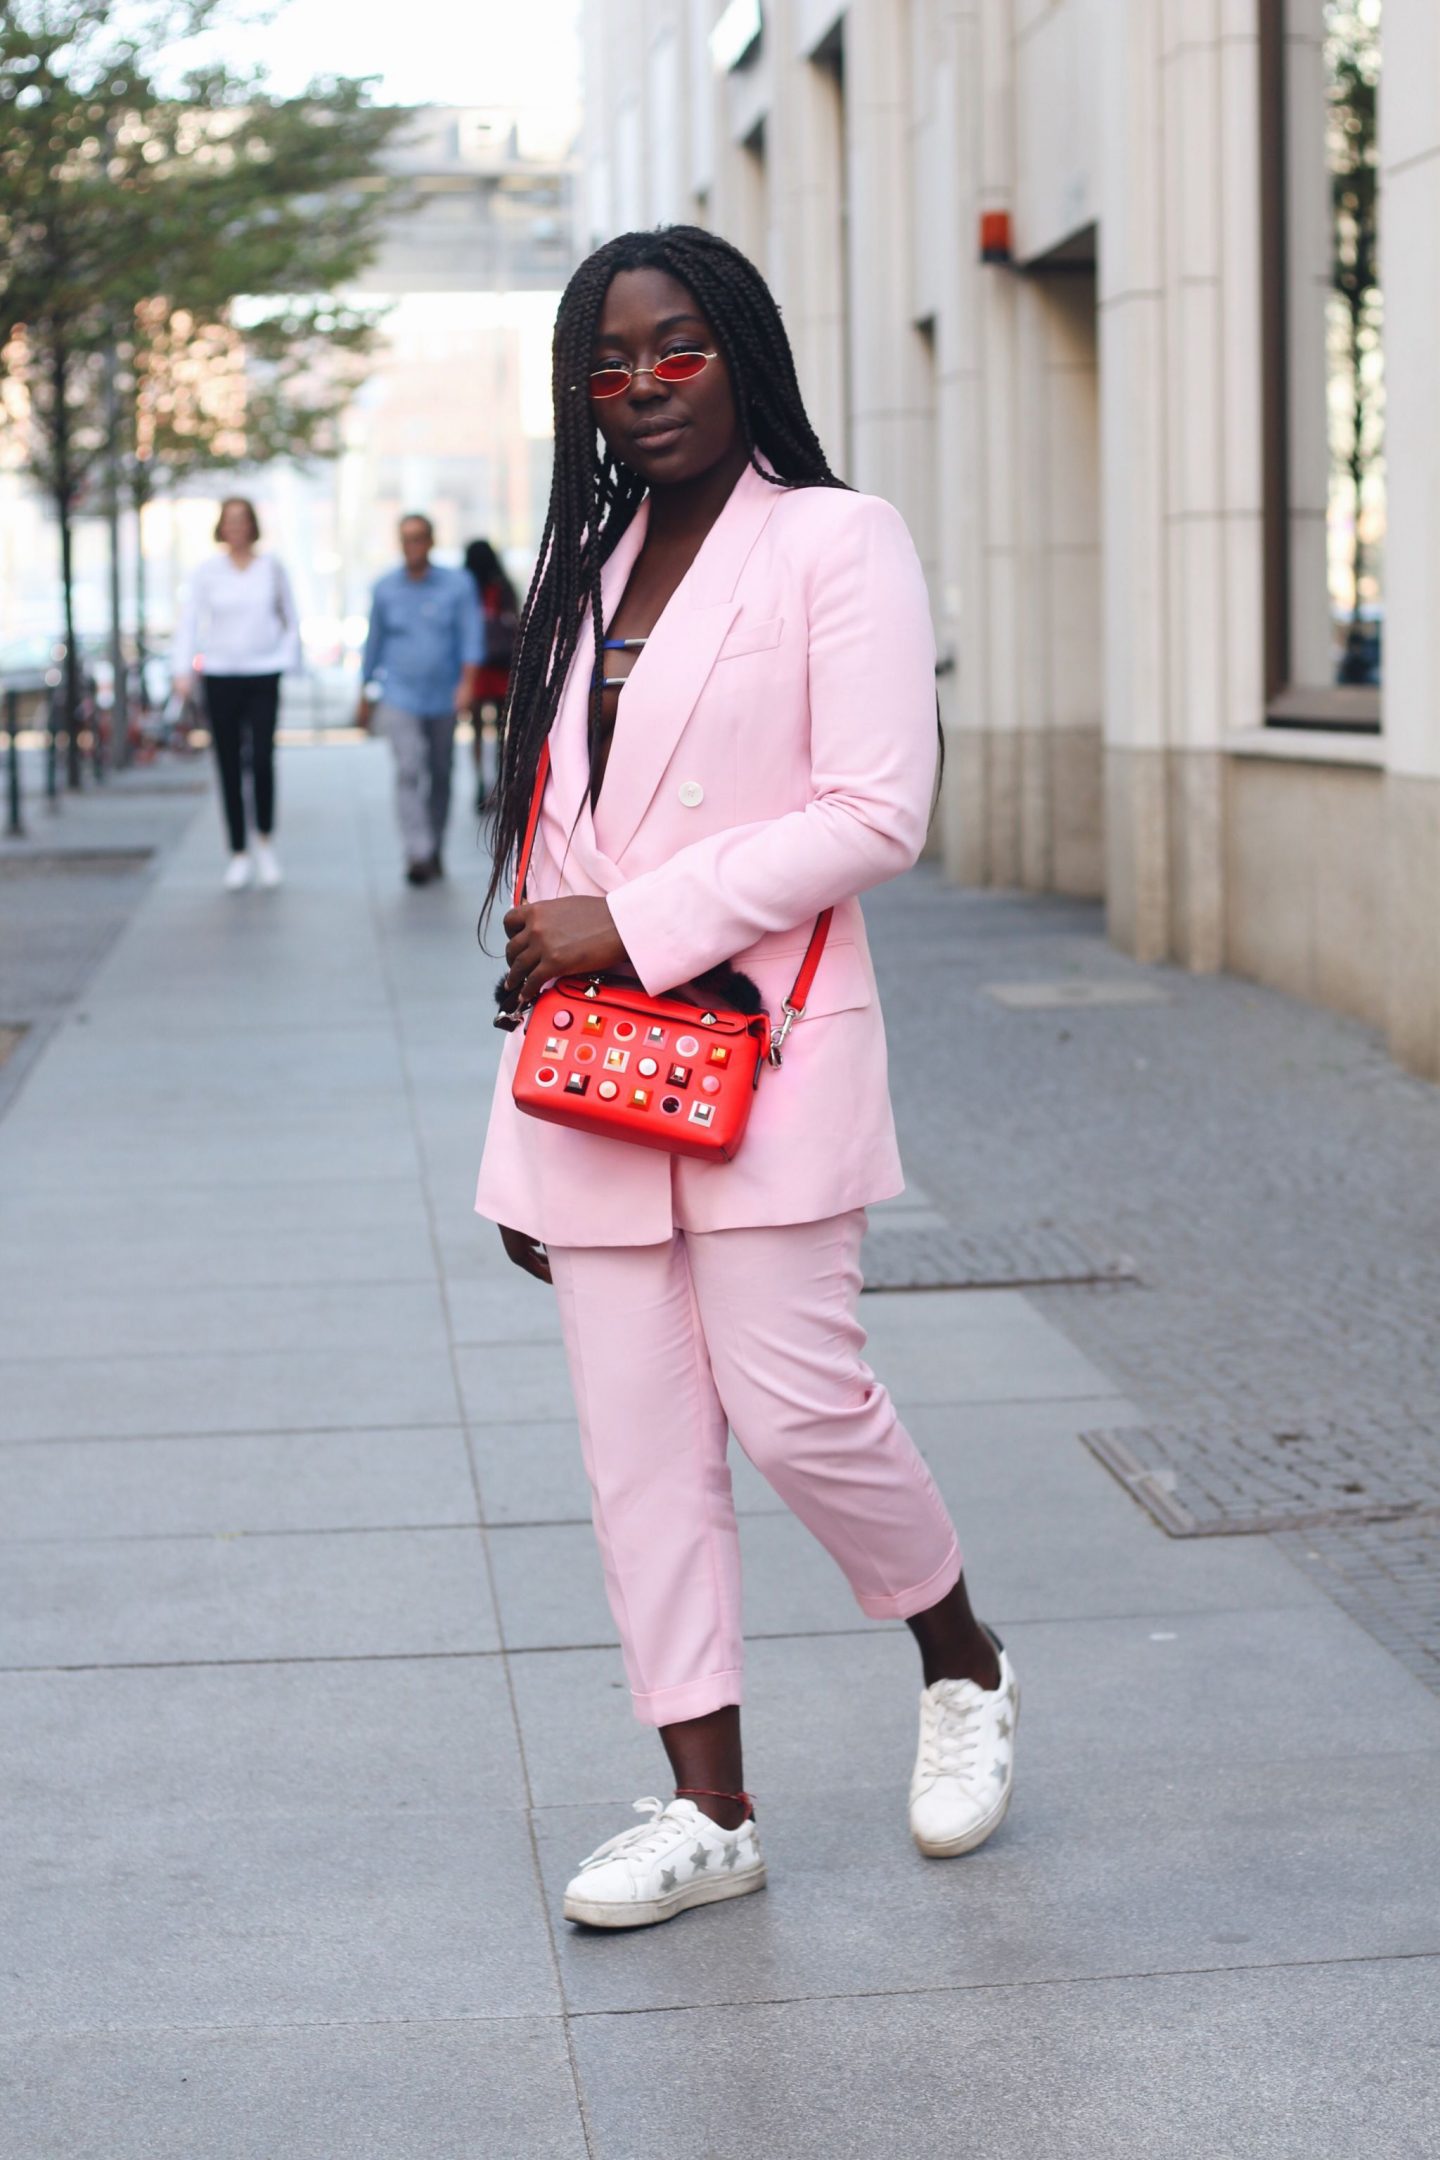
604,1056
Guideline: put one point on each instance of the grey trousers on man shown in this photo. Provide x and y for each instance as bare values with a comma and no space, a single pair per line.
424,745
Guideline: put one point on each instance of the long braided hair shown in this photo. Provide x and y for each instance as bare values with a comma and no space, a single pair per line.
593,496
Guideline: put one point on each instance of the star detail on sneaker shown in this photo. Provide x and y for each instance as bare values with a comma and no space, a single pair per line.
667,1881
699,1859
1004,1728
999,1771
731,1853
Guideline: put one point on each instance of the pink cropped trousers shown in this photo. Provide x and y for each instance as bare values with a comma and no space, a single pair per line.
754,1330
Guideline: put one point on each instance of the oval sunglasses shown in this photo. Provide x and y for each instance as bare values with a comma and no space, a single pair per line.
613,381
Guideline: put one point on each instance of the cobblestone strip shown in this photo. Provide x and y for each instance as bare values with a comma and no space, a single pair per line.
1276,1178
948,1260
1386,1575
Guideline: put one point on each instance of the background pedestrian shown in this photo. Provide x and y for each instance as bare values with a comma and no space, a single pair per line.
239,632
422,653
500,610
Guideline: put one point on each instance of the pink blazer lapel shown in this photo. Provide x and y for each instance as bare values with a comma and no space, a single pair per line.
669,675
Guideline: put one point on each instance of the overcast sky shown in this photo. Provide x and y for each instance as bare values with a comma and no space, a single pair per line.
445,52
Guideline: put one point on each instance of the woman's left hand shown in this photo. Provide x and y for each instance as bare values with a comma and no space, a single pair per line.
546,938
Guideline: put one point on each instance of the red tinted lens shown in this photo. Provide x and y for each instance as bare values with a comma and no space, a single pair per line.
680,366
609,381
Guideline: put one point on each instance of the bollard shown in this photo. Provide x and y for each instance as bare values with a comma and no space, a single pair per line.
14,824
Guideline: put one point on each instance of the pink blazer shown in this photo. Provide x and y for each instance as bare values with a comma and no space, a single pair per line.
774,754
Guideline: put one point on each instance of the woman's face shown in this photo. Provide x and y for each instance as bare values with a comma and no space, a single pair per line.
666,432
236,529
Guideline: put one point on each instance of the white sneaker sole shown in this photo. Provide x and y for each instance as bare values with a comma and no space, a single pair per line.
597,1914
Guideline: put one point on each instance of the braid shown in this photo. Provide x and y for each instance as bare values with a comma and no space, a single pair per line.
593,497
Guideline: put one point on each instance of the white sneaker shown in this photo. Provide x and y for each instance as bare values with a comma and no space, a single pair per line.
965,1767
267,865
237,876
676,1859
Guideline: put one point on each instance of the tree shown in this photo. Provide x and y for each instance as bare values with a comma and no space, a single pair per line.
191,229
1357,431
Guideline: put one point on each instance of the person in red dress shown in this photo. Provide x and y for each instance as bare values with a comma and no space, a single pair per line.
500,607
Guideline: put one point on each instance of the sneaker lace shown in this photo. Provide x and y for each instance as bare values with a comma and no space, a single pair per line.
952,1732
645,1840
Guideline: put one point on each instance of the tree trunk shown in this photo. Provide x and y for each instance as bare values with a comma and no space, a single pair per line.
1359,413
62,483
139,496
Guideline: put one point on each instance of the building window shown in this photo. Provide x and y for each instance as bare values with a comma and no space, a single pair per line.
1325,383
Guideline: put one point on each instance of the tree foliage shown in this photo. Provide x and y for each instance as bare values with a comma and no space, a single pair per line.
197,229
1352,29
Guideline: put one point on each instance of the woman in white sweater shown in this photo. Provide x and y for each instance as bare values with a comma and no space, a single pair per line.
239,632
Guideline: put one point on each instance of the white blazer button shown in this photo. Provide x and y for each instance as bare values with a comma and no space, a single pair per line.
691,793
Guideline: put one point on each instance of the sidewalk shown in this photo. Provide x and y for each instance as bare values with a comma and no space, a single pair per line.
310,1698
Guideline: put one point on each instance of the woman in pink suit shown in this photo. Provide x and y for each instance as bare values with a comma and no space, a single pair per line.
757,743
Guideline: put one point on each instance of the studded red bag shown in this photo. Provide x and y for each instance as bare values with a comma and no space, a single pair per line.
604,1056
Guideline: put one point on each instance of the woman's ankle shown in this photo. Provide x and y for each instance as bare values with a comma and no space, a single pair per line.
727,1810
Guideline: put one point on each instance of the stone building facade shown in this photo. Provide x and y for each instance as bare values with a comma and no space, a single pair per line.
1082,286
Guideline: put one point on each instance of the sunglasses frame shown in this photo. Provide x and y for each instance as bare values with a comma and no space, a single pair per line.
691,352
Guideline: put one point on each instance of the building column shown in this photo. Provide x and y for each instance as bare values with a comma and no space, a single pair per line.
1410,160
809,117
1132,441
887,402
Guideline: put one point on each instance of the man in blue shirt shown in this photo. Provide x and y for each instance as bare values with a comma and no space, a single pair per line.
426,642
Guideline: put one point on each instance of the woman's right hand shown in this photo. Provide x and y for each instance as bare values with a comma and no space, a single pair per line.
526,1252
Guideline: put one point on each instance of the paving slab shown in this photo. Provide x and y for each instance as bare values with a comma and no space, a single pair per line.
313,1853
1109,1871
533,1473
127,1319
276,1919
172,1600
200,1075
973,1346
1167,1688
283,1391
235,1483
178,1744
551,1594
1335,2059
497,1389
303,1142
487,1311
497,2087
206,1236
1042,1536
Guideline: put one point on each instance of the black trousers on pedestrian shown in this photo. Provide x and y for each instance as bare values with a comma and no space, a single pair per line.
242,711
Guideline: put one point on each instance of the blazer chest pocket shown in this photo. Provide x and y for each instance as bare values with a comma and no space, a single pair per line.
749,637
843,982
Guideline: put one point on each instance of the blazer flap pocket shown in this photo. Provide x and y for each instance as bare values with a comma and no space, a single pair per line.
843,981
749,637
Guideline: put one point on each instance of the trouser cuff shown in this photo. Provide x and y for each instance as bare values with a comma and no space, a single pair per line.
696,1698
903,1604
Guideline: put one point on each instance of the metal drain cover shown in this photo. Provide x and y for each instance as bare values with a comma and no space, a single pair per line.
1231,1481
948,1259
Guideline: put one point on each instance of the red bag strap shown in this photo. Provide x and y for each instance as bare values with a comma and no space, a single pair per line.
794,1005
532,823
